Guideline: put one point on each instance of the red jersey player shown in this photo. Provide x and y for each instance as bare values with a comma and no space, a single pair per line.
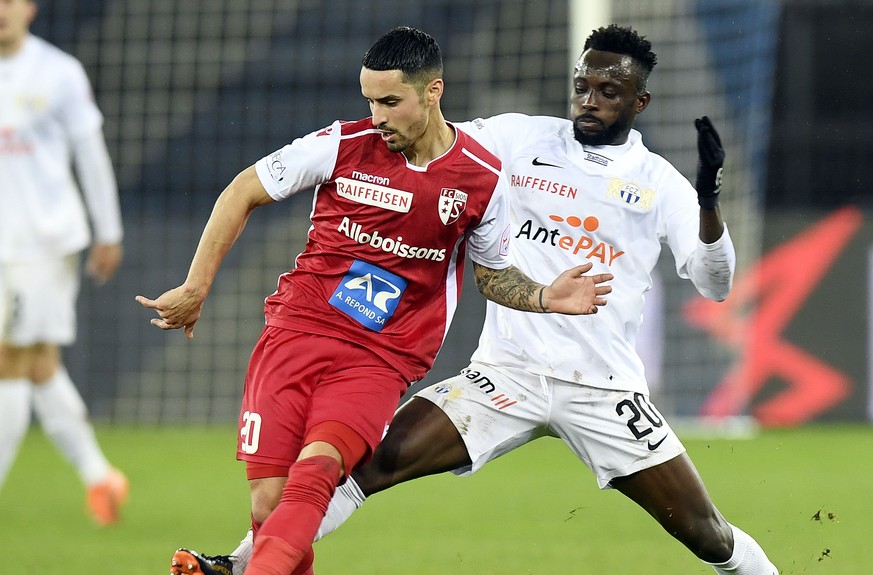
399,199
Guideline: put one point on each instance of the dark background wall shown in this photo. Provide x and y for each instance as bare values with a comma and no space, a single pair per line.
195,91
822,143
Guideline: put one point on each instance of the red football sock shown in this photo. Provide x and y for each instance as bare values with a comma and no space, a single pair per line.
273,556
288,532
306,565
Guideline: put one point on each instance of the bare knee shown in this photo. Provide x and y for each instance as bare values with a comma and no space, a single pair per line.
37,362
266,494
13,362
45,362
421,441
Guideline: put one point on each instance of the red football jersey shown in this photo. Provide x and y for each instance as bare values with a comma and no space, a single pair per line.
383,263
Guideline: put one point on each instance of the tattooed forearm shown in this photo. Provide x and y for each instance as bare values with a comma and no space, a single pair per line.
509,287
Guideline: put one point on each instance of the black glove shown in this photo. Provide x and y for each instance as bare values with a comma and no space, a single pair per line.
709,163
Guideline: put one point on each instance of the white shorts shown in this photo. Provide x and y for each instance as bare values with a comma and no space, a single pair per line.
615,433
38,301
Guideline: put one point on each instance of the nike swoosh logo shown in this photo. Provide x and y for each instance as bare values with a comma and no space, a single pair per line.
654,446
536,162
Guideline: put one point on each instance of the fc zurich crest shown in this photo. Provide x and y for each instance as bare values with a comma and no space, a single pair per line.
631,194
451,205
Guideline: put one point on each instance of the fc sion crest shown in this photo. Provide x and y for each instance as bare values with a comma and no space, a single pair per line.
451,205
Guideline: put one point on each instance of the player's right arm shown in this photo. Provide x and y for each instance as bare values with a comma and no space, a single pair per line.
503,283
97,181
180,307
571,293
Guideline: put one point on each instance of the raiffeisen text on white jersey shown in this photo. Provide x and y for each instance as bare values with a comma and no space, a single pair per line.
395,246
544,185
574,242
11,145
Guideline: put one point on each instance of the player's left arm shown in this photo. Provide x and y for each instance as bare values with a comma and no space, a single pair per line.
571,293
711,267
710,168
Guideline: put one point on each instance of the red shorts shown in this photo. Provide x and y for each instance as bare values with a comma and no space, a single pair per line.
297,380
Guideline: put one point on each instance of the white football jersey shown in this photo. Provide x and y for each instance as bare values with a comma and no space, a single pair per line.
610,205
45,106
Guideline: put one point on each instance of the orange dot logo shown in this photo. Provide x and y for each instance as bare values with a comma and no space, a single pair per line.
590,223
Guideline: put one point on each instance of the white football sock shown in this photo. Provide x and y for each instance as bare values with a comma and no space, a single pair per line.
242,554
64,419
14,420
747,558
346,500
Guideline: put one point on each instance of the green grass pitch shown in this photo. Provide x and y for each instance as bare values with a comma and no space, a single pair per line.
804,494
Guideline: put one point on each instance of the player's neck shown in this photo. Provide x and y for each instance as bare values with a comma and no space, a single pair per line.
435,141
12,46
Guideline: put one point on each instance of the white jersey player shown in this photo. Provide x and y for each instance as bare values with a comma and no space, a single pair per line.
48,122
610,205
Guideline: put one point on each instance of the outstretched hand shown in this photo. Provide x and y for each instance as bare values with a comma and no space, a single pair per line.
709,163
178,308
575,294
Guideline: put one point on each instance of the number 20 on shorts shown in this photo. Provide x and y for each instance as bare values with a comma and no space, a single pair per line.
250,432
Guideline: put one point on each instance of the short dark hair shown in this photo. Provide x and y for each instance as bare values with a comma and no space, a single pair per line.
413,52
626,41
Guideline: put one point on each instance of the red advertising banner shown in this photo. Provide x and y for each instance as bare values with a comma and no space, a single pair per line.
781,376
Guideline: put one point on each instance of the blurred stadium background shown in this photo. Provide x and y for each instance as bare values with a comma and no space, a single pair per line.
195,90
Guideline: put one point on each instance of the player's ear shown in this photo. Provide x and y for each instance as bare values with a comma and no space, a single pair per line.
434,91
642,102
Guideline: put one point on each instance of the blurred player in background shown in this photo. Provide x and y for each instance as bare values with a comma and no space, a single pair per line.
48,121
400,197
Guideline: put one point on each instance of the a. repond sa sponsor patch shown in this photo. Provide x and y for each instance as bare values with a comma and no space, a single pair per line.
368,294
